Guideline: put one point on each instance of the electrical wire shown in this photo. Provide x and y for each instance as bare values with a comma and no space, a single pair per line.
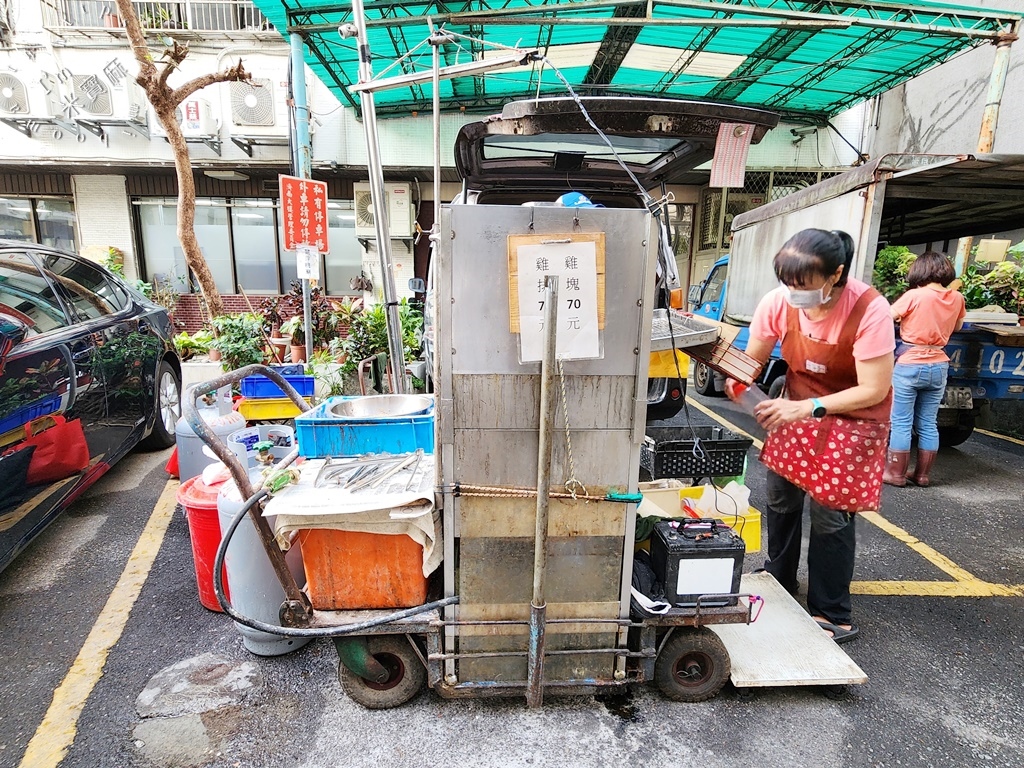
337,631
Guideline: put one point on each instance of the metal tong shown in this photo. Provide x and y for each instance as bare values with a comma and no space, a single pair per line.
365,471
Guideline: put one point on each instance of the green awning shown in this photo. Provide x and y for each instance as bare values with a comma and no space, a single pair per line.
810,59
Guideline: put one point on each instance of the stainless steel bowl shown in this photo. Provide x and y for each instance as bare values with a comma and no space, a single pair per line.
381,406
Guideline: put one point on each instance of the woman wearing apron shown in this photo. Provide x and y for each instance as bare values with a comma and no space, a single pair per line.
828,435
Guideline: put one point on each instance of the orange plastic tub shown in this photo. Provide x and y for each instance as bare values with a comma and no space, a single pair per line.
348,570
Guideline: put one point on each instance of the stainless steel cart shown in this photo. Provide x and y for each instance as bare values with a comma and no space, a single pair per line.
527,606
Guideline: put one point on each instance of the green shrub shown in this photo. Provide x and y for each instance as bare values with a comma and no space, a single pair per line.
368,333
239,339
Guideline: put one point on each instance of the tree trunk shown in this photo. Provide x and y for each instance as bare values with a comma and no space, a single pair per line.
187,214
165,101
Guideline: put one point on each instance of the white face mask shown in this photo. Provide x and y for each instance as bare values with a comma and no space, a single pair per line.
799,298
802,299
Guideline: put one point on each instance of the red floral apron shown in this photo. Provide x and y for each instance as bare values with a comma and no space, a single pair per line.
838,460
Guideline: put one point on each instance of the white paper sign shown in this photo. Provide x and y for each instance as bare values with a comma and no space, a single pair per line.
575,264
307,261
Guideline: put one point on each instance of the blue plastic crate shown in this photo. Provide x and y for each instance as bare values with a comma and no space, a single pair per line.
27,413
321,435
258,387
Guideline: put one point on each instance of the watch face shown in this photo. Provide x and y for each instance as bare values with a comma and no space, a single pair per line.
818,411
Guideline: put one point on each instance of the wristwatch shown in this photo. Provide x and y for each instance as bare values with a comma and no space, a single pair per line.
817,408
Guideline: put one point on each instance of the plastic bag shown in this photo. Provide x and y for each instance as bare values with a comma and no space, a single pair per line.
733,499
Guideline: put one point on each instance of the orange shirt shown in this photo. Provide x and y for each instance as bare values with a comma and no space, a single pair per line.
928,317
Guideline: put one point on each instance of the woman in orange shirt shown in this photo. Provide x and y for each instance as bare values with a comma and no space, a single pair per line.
928,315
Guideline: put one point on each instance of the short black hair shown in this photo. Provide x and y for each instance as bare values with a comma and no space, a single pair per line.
814,253
931,267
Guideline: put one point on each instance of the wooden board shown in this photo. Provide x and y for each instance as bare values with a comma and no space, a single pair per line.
1006,335
784,646
514,241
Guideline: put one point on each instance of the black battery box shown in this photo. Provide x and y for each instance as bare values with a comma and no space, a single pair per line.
697,557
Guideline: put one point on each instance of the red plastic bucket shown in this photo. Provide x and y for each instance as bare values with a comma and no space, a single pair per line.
200,503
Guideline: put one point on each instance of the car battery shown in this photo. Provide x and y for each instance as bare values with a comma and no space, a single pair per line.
697,557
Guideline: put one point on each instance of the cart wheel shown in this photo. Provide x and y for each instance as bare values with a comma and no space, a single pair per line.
407,674
693,666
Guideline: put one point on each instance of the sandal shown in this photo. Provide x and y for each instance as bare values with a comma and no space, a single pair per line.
839,634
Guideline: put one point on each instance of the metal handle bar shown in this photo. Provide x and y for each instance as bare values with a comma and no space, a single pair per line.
299,607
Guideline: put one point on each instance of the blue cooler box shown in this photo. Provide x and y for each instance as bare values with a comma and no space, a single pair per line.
321,435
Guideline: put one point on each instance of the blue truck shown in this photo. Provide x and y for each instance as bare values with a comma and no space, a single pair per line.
921,201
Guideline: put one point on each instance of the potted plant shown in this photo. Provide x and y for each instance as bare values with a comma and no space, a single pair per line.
271,318
239,340
189,346
329,375
293,328
368,335
324,320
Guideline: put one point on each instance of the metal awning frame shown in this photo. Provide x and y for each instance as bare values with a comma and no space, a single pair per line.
974,24
625,20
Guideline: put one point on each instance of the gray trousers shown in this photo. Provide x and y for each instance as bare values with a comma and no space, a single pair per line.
830,554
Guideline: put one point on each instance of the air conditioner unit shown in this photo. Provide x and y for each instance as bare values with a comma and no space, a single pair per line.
196,118
258,108
28,94
96,100
397,198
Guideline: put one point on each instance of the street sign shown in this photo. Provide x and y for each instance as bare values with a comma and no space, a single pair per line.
307,262
304,205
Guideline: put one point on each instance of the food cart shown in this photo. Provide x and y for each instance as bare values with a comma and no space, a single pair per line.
544,331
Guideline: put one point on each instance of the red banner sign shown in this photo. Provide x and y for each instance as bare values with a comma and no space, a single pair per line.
304,207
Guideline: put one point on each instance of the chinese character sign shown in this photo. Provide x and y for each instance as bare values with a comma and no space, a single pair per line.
304,209
575,264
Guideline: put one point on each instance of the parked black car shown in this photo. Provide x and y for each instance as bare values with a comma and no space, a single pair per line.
87,372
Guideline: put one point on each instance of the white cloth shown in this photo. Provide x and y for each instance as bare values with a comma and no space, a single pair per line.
388,510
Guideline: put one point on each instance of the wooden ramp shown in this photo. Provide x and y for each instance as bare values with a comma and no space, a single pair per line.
784,646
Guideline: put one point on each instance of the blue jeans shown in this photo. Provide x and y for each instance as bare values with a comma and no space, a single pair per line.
917,391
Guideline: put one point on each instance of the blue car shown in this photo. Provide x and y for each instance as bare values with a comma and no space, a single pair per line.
88,372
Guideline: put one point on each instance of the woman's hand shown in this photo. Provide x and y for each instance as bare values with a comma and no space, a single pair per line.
772,414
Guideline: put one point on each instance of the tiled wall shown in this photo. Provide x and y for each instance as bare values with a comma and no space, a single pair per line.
104,216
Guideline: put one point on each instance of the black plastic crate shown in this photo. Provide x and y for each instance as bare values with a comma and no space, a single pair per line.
669,452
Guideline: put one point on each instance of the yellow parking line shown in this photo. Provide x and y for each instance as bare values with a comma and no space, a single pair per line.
965,584
998,436
937,559
972,588
724,422
55,735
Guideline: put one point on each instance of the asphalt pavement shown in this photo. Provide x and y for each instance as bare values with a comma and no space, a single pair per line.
111,660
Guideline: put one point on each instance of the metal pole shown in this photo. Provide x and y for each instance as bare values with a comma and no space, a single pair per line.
538,606
989,119
303,159
380,218
436,42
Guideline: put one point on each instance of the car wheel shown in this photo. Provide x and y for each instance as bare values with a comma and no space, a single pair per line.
955,435
168,408
704,380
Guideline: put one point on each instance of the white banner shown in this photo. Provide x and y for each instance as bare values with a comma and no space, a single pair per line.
575,265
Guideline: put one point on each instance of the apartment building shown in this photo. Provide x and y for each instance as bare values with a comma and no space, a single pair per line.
84,163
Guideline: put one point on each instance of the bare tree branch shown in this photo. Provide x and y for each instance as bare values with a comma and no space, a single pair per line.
236,73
